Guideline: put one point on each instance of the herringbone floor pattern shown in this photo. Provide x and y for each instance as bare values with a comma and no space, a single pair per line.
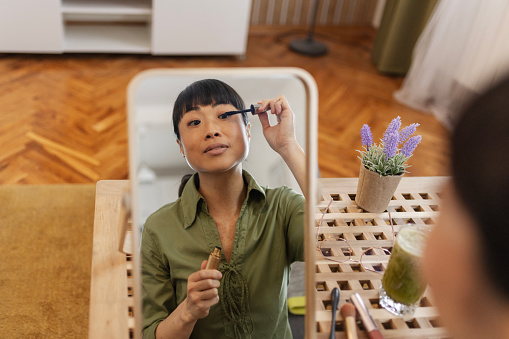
63,117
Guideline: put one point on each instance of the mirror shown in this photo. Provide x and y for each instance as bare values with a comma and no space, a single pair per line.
156,165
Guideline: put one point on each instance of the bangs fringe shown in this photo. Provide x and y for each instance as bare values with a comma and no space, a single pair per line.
203,93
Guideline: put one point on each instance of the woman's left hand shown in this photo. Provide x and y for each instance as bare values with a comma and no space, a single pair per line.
282,135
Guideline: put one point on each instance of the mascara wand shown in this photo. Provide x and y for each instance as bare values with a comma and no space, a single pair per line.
335,299
252,109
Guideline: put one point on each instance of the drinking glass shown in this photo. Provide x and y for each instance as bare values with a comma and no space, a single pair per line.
403,284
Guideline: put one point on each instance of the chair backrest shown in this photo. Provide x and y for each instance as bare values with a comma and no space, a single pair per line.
154,153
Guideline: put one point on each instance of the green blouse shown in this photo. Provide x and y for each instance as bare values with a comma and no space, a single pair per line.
269,236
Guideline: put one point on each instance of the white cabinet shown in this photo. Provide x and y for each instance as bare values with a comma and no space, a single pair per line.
168,27
200,27
33,26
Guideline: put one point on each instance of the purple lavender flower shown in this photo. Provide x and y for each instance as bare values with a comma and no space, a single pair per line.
366,136
391,144
410,145
407,132
393,127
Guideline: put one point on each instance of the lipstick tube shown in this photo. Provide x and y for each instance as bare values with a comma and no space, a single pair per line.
214,259
367,320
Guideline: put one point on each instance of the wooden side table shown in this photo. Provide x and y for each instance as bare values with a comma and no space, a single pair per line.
111,290
338,265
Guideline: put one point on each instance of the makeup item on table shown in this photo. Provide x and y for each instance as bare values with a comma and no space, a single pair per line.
334,295
252,109
367,320
348,313
214,259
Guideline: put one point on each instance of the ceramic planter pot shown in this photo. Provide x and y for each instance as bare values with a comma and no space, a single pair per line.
374,192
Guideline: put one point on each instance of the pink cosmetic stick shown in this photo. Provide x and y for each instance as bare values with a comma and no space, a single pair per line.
367,320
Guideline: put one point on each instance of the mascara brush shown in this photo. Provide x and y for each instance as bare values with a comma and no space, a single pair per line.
334,300
252,109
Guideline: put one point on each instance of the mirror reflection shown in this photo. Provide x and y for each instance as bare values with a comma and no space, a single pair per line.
217,186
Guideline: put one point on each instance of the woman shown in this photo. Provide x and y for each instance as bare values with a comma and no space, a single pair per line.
467,262
260,230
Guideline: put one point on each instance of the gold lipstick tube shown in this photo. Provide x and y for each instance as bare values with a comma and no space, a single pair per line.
214,259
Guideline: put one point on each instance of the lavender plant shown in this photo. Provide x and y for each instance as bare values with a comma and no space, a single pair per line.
385,158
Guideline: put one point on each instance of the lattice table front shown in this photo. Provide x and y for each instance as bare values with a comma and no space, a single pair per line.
337,262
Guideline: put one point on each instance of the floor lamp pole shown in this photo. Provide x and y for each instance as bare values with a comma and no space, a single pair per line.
309,46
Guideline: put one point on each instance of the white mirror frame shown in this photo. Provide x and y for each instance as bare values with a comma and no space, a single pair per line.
311,167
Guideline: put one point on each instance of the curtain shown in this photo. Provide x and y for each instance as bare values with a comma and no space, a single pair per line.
463,49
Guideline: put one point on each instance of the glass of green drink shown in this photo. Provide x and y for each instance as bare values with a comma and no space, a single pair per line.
402,283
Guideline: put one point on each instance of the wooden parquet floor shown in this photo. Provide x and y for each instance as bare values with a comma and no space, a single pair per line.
63,117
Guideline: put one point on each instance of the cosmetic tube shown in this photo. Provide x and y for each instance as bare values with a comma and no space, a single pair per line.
367,320
214,259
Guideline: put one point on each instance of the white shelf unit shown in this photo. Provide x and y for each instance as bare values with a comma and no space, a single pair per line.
114,26
158,27
123,7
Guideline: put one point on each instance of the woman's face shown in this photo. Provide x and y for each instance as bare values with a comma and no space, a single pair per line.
452,265
212,142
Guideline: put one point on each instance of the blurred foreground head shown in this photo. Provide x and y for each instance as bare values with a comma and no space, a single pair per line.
467,257
480,171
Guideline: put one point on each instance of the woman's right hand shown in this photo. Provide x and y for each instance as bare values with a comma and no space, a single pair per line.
202,292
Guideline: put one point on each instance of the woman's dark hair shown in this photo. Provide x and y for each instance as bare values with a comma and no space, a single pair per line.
203,93
480,170
183,182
